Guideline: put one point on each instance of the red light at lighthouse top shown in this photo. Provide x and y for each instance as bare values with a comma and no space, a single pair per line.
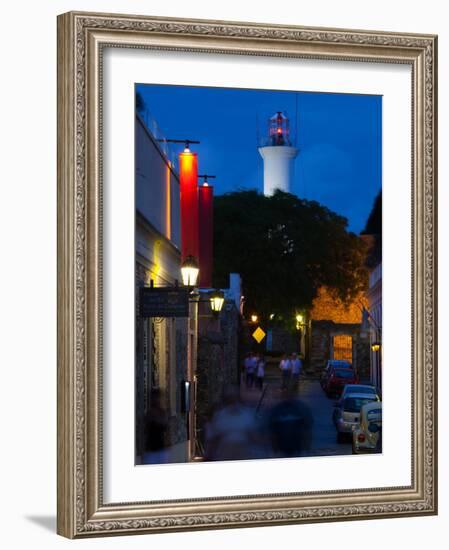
279,129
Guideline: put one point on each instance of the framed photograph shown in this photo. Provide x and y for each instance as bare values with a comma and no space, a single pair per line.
246,274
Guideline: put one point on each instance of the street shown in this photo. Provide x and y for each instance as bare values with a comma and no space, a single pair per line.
324,436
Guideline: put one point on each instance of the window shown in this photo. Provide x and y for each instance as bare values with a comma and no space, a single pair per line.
342,347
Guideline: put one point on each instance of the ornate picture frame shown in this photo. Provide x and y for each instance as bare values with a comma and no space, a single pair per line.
82,38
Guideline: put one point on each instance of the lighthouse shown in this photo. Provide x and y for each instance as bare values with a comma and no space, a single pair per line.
278,155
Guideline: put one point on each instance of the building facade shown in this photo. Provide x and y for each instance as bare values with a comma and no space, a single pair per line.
165,347
374,295
337,332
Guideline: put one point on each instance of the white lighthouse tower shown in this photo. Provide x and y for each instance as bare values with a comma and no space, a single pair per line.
278,156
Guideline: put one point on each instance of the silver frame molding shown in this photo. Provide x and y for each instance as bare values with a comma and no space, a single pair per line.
81,39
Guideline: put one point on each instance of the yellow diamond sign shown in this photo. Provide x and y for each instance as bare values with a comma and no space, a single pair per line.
258,335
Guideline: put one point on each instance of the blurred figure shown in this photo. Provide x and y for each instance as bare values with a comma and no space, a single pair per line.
285,366
296,364
155,429
290,425
250,369
260,372
232,433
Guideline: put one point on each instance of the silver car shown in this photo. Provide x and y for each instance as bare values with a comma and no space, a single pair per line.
346,414
359,388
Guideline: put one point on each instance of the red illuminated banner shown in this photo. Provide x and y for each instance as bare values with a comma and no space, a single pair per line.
206,213
188,172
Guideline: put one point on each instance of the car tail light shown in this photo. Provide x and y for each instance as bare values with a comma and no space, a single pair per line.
361,438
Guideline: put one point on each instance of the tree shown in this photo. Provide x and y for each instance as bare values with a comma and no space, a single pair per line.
374,228
285,248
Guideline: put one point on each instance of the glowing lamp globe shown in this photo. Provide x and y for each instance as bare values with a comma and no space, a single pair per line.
189,271
216,301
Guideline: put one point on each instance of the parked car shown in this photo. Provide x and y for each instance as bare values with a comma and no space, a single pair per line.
346,415
330,366
367,436
359,388
337,380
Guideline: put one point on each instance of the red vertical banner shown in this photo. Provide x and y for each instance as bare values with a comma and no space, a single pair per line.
188,173
206,217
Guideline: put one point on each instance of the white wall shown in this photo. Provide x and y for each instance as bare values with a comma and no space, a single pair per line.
28,274
156,187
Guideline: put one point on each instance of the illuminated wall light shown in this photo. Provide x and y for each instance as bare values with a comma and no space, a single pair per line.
217,301
168,204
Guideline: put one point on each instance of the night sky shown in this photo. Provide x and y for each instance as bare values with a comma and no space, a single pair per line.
338,136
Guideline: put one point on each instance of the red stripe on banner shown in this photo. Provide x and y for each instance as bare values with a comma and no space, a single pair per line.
206,218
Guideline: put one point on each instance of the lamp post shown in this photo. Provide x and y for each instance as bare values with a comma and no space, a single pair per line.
300,325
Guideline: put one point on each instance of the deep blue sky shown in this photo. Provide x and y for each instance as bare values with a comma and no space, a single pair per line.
338,135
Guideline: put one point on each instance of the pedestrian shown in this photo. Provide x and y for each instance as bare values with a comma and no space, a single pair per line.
156,426
260,373
233,431
285,366
290,425
250,369
246,362
296,364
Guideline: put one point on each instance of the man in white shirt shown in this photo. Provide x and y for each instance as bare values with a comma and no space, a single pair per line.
250,369
296,370
285,366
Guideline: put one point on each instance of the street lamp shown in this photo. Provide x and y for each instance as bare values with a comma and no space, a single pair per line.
216,301
254,318
189,271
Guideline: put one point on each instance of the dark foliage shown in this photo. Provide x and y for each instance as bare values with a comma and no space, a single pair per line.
374,227
285,248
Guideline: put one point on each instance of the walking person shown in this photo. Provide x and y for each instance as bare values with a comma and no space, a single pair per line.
296,363
246,364
250,369
260,372
285,366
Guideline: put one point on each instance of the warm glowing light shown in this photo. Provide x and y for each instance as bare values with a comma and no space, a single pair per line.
271,316
279,130
299,318
188,179
254,318
168,204
375,346
205,184
186,149
217,301
189,271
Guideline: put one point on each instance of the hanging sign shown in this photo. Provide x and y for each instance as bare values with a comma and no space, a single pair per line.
164,302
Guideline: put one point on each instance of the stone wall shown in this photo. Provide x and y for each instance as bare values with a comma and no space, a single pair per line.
161,363
321,346
217,360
